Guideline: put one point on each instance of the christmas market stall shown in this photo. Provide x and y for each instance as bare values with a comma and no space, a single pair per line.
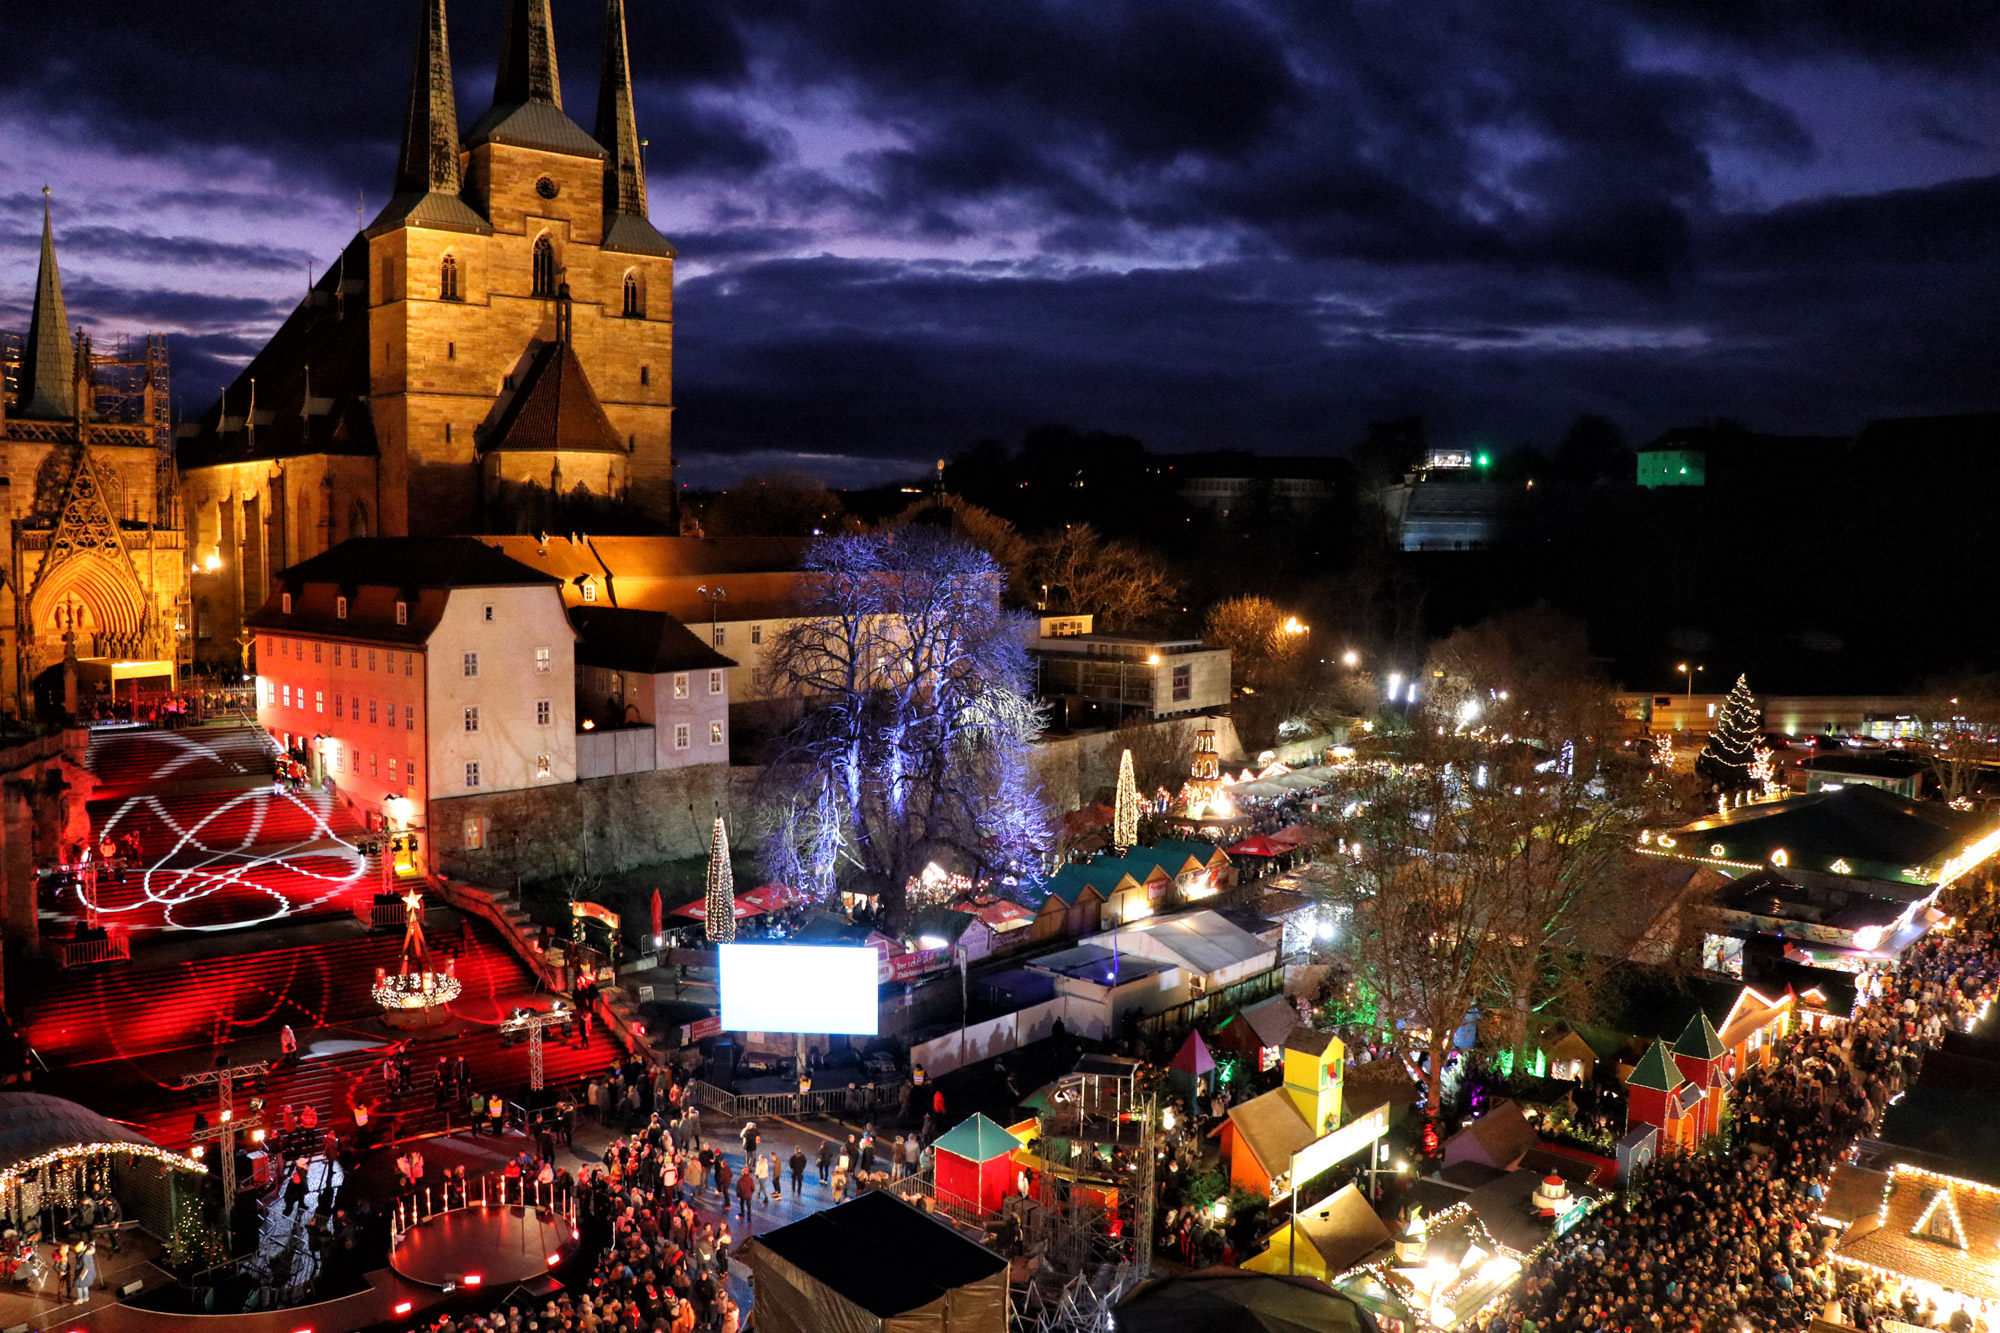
974,1165
55,1154
1921,1232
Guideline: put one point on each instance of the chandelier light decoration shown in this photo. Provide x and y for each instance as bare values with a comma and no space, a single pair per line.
721,903
1203,796
415,987
1125,810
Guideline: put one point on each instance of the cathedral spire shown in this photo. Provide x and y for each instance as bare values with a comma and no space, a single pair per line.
430,128
527,56
48,361
617,126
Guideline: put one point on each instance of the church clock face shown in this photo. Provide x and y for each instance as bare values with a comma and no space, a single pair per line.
547,188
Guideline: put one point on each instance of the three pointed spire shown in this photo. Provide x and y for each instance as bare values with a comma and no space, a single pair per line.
527,56
430,129
617,125
48,361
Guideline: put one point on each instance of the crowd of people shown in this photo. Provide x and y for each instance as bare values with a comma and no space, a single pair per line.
1721,1243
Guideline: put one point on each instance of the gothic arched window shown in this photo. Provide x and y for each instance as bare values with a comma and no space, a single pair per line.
635,297
357,520
448,279
545,267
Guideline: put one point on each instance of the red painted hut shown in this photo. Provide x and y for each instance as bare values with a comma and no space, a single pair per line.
975,1164
1187,1074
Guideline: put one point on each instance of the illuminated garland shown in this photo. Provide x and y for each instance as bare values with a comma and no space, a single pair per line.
152,1151
1125,808
721,901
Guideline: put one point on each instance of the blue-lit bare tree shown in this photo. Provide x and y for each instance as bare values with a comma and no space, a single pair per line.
913,743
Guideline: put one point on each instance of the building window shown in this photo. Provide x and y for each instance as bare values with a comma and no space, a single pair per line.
680,736
715,682
409,664
472,773
635,297
545,267
371,659
545,712
475,827
340,608
356,702
543,766
590,590
340,705
721,635
645,375
285,602
317,649
756,635
542,661
392,770
410,776
472,718
680,685
409,717
488,609
448,279
319,701
617,686
447,432
402,613
451,351
371,763
371,712
715,733
471,664
288,695
1183,682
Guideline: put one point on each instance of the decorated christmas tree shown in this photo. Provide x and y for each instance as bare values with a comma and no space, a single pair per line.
1732,747
721,887
1125,808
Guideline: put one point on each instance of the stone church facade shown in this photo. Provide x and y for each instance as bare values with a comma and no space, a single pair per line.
94,563
492,354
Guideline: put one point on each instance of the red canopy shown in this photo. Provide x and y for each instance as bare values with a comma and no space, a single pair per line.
1294,836
698,910
1260,846
773,897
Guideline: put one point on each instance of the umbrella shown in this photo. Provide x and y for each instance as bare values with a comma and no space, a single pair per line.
698,909
1258,846
656,912
774,897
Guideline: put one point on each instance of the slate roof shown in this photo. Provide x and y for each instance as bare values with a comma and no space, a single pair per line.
429,208
1698,1040
1343,1228
881,1254
630,235
554,409
534,124
1272,1129
648,642
1271,1020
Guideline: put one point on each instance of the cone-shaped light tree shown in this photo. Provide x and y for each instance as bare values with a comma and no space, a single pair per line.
721,887
1732,746
1125,809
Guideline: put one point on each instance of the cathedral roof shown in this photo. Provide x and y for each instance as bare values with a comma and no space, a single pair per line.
445,212
533,125
311,394
48,360
527,90
427,175
555,409
628,234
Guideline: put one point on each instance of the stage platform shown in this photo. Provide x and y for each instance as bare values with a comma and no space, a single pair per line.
488,1246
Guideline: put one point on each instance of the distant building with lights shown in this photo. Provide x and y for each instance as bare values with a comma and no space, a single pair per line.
1095,678
1230,481
1672,467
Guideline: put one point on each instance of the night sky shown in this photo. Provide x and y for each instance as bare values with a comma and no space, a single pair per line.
1237,223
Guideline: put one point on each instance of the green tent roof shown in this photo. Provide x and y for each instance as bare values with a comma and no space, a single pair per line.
977,1140
1657,1070
1699,1040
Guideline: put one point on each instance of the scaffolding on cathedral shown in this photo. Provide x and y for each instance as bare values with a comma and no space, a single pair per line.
130,386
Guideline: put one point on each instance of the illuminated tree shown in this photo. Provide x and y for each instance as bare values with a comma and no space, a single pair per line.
913,743
1732,746
721,887
1125,808
1121,585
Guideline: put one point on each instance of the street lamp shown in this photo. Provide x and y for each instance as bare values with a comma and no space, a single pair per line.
1350,658
1690,673
715,597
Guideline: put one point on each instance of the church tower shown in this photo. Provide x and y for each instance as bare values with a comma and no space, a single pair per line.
506,319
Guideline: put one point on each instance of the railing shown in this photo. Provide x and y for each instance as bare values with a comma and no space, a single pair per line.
1227,1000
823,1102
114,945
487,1191
922,1191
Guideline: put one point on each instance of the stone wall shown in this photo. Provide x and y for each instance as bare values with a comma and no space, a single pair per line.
600,824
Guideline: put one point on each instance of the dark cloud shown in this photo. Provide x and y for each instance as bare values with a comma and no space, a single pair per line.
1205,222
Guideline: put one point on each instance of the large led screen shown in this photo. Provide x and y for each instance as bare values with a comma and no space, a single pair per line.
798,988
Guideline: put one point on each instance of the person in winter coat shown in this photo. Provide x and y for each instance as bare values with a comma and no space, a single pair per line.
746,1190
